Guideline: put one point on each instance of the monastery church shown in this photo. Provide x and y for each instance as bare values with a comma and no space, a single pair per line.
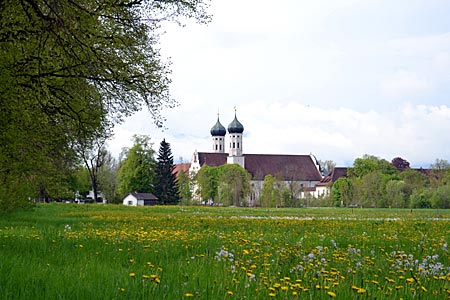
300,172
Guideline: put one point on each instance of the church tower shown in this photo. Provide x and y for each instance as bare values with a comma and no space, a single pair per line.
218,137
235,130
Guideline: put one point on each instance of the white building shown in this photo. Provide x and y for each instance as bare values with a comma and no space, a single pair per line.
140,199
301,171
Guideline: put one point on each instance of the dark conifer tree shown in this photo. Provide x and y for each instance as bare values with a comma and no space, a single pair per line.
166,184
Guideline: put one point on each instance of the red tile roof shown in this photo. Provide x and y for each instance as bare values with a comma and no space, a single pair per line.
288,167
334,175
181,167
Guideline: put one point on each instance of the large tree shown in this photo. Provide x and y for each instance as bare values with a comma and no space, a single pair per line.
69,69
234,184
207,180
137,167
94,155
270,193
185,185
166,188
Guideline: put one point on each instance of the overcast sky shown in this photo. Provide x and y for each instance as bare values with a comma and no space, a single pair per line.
336,78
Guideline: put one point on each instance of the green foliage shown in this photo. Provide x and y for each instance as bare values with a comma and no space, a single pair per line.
137,171
342,192
234,184
269,193
184,185
225,185
368,164
71,70
166,188
420,198
396,194
107,179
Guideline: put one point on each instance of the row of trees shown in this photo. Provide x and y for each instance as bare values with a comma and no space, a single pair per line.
227,185
374,182
371,182
139,169
69,72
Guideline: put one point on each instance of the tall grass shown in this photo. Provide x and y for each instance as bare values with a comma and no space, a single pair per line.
62,251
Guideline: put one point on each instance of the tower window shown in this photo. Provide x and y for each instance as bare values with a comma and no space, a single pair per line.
234,145
216,147
220,147
238,144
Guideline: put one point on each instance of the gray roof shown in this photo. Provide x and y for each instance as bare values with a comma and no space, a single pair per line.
235,126
218,129
144,196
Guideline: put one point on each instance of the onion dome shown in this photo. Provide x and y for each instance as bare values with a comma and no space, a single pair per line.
235,126
218,129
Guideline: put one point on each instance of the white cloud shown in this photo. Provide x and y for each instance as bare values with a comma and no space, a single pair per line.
337,78
417,133
404,83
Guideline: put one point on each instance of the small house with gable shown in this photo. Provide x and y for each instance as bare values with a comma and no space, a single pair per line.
140,199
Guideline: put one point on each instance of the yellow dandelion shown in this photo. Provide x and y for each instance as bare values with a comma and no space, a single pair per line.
424,288
398,287
361,291
284,288
331,294
294,293
389,279
188,295
410,280
132,274
229,293
272,294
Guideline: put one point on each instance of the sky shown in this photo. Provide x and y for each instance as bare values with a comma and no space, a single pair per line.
335,78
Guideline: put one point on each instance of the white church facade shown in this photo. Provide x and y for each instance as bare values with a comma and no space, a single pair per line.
301,173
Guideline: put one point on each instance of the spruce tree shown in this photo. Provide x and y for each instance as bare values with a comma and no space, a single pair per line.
166,184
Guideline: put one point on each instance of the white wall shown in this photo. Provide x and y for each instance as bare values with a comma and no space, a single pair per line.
130,200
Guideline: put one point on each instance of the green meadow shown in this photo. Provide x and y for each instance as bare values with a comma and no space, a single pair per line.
66,251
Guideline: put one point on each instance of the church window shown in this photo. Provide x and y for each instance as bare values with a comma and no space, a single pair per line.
216,147
234,145
238,144
220,147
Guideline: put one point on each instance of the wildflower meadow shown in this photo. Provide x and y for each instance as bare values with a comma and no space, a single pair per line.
67,251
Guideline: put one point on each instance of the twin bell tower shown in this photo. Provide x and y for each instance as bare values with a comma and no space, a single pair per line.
235,130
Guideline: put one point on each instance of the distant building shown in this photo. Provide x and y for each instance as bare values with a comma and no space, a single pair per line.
100,197
300,172
140,199
323,188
